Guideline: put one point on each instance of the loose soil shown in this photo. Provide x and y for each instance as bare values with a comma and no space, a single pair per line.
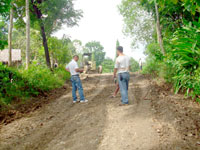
156,119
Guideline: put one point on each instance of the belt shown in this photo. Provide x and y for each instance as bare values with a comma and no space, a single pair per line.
123,72
75,75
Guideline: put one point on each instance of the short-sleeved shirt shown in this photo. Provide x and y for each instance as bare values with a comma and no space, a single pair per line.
72,66
140,62
122,64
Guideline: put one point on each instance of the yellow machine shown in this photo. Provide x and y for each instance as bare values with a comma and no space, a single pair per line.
89,65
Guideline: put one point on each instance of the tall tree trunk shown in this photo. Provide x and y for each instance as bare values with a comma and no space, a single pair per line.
27,35
38,13
46,49
159,32
10,38
52,61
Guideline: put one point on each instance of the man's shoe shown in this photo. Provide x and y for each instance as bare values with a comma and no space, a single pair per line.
84,101
74,102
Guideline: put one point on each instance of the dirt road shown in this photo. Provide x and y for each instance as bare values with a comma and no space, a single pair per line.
148,123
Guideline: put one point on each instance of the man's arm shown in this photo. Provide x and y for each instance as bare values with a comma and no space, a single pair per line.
67,68
115,72
79,70
116,68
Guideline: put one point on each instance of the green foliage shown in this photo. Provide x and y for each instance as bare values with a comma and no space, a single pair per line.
12,85
134,65
139,24
60,50
180,24
5,7
97,49
108,65
17,85
41,78
61,73
186,58
182,62
52,13
47,17
4,12
3,33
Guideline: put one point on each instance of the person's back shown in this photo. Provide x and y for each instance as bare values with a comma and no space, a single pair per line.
123,63
122,66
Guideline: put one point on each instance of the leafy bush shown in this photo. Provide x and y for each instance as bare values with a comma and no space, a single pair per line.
108,65
61,73
181,65
134,65
154,59
20,85
41,78
12,85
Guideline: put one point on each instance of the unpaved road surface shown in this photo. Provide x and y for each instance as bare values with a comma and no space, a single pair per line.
156,119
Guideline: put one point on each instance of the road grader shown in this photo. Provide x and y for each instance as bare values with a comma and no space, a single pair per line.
89,65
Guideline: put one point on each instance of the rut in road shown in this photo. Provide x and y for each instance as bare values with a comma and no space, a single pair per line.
100,124
130,127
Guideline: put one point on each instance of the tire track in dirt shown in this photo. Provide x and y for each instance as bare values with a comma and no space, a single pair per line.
130,127
101,124
58,121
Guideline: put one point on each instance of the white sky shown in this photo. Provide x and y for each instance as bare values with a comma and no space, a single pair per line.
101,22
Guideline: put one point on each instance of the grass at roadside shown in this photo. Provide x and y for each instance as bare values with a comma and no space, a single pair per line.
18,85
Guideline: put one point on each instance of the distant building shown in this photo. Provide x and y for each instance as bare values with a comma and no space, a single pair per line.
16,56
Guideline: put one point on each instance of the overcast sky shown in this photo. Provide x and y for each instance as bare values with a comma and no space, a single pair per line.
101,22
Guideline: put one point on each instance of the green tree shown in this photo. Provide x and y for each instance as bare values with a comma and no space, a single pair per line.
139,24
61,52
108,65
3,33
134,65
5,7
180,24
97,50
48,16
4,12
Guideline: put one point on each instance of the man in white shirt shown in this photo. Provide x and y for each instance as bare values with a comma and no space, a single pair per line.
140,64
122,67
74,70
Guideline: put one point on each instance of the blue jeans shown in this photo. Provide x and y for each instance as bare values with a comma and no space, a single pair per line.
76,84
123,79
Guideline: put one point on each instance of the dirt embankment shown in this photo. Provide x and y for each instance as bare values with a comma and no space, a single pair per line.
178,118
156,119
20,109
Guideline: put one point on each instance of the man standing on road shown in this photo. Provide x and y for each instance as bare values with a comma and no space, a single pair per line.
140,64
122,67
74,70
